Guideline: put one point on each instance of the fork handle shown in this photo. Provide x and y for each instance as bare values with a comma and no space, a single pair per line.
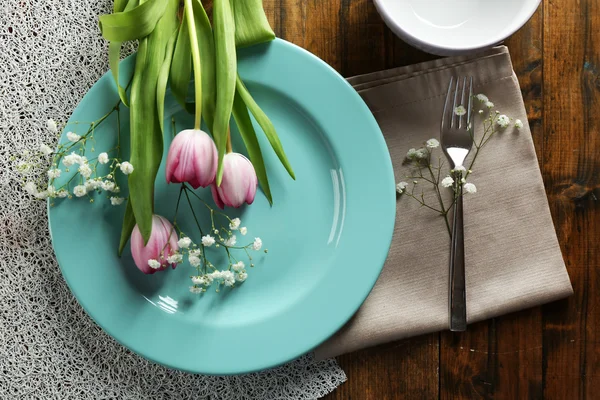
458,303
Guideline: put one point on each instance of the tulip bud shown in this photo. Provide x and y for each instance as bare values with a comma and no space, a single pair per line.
162,244
192,158
239,182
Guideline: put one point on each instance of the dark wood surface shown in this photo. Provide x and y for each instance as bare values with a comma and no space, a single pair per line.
548,352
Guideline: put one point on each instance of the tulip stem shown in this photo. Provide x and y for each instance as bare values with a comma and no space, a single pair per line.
229,149
189,14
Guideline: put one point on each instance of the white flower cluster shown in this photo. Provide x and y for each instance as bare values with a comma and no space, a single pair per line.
71,154
460,110
198,258
401,187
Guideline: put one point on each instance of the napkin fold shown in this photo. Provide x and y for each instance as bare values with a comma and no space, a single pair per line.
513,259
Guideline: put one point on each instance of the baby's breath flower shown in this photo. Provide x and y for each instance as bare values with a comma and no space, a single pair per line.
243,230
109,186
460,110
175,258
463,180
51,191
239,266
62,193
85,171
79,191
208,240
116,201
197,280
447,182
503,121
194,261
470,188
401,186
412,153
53,173
154,264
432,143
208,279
460,169
195,252
228,278
421,153
42,195
482,98
73,137
195,289
23,167
480,111
518,124
489,104
235,224
241,276
215,275
103,158
92,184
184,242
126,167
46,150
231,241
71,159
257,244
30,188
51,126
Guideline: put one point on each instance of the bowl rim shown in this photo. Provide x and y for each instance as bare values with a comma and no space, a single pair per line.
425,45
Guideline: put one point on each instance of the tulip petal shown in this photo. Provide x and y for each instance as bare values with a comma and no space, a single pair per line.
162,240
216,197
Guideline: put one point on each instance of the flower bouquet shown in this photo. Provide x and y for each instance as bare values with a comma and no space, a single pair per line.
178,48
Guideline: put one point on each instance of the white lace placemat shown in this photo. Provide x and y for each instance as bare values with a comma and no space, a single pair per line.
51,53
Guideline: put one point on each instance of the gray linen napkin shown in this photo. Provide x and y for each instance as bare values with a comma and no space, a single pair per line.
513,260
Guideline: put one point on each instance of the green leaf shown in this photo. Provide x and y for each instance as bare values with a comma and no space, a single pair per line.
119,5
145,134
248,134
128,225
181,66
206,44
114,57
226,71
114,49
251,24
266,125
163,77
134,24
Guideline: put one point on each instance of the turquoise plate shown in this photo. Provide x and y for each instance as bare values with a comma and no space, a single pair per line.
328,232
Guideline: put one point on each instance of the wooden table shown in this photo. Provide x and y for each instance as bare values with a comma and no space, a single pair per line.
547,352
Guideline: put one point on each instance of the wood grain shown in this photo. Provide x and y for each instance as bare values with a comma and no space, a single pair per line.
571,170
548,352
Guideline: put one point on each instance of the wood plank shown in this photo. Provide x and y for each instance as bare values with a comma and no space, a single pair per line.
501,358
405,369
362,36
571,167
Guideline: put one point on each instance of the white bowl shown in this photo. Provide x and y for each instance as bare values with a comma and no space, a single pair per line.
453,27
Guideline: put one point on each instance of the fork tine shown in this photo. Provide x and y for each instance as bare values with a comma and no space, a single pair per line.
455,105
446,103
470,108
462,102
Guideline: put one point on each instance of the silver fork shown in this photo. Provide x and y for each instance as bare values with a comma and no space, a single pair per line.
456,141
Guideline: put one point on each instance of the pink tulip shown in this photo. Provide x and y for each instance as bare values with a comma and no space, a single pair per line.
192,158
162,244
239,182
